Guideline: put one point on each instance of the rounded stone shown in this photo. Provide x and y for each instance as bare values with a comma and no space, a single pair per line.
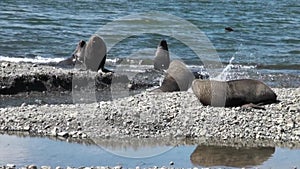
32,167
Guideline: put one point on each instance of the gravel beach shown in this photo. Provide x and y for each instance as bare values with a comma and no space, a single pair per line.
147,114
178,115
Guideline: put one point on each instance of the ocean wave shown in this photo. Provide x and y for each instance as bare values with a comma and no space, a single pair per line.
36,59
143,64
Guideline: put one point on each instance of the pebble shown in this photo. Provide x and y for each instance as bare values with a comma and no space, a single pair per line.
54,131
87,167
26,128
63,134
118,167
45,167
10,166
297,132
290,124
294,109
150,115
32,167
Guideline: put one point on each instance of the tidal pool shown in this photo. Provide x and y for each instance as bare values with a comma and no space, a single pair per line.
27,150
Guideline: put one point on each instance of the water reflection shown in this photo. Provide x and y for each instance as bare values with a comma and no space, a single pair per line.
211,155
136,147
24,149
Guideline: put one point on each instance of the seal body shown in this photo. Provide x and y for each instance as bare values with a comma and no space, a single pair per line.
162,58
91,55
178,78
232,93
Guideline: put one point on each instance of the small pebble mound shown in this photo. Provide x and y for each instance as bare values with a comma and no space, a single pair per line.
150,115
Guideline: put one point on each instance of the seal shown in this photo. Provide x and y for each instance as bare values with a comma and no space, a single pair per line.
162,58
233,93
229,29
178,78
229,156
92,55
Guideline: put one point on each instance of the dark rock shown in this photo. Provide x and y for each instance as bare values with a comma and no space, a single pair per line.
147,79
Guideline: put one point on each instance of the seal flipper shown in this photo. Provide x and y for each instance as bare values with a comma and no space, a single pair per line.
102,63
254,106
67,62
101,66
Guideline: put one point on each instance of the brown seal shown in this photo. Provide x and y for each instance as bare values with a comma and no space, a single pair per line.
233,93
162,58
178,78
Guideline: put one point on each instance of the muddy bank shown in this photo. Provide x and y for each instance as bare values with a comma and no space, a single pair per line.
27,77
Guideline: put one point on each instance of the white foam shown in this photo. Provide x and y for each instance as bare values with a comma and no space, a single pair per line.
223,75
37,59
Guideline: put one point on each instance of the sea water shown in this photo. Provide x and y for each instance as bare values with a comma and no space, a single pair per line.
265,42
27,150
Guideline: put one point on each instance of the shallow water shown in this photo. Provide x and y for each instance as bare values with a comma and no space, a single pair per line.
266,34
43,151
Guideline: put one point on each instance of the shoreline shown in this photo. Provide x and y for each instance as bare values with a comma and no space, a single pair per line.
153,115
111,119
22,77
57,111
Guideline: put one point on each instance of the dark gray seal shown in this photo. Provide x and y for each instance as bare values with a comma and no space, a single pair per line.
229,29
178,78
233,93
162,58
91,55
